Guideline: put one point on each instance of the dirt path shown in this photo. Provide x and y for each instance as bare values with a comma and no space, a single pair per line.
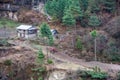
67,62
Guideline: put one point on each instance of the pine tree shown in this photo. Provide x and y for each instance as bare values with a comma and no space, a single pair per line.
45,30
75,9
55,8
94,21
68,19
110,5
51,41
83,4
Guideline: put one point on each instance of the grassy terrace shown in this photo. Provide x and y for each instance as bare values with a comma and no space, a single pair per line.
8,23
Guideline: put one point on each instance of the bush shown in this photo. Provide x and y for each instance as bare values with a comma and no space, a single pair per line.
97,75
3,42
79,44
49,61
8,62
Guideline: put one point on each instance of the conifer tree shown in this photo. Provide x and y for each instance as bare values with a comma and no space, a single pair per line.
45,30
94,21
68,19
75,9
109,5
83,4
55,8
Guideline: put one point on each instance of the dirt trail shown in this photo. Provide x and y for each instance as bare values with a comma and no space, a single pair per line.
67,62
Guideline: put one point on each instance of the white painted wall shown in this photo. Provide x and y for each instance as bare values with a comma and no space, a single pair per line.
30,36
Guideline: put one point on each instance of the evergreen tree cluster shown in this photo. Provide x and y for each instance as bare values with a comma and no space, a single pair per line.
85,11
45,32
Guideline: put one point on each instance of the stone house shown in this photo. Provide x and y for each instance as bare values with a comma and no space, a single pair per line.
26,31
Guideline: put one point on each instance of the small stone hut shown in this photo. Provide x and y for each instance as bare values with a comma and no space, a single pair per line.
26,31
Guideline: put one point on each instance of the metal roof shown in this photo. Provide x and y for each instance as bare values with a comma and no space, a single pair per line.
25,27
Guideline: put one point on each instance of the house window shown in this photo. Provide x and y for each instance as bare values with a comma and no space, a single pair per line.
32,32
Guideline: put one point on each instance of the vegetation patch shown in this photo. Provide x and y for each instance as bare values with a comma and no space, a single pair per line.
4,22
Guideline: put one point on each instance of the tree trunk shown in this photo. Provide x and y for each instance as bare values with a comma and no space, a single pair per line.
95,49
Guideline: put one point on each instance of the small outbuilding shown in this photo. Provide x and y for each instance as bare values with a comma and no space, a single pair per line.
26,31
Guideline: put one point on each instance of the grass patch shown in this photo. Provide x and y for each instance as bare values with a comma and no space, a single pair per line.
8,23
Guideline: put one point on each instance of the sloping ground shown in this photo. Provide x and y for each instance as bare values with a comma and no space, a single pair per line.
64,61
31,17
19,55
113,27
4,22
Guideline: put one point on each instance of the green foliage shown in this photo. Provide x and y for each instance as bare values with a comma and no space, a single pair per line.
97,75
97,69
40,54
8,62
94,21
40,78
41,57
92,6
109,5
70,11
45,30
4,42
55,8
94,33
40,70
68,19
49,61
83,4
64,10
79,44
75,9
8,23
51,41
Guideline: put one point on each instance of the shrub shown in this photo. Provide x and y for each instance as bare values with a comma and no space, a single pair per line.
41,57
79,44
97,75
3,42
8,62
49,61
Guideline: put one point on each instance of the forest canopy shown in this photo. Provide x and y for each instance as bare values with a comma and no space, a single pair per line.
71,11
